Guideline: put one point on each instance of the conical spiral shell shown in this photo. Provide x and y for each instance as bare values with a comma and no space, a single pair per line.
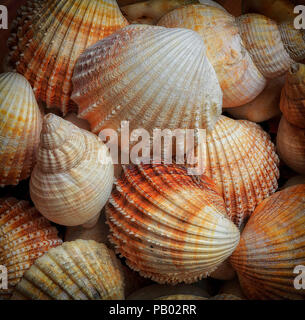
272,245
20,125
152,76
169,227
24,236
78,270
45,48
73,177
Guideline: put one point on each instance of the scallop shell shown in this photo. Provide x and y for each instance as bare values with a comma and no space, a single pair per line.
20,125
24,236
168,83
272,245
73,177
169,227
46,47
78,270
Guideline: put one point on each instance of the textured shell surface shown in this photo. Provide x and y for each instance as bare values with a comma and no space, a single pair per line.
20,125
25,235
44,48
77,270
271,246
153,77
74,174
169,226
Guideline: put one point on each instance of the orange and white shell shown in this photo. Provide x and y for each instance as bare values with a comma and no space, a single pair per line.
78,270
169,227
45,48
74,174
153,77
24,236
271,246
20,125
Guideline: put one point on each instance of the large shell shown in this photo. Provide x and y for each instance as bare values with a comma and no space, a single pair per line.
78,270
152,76
45,47
24,236
169,227
20,125
73,177
272,245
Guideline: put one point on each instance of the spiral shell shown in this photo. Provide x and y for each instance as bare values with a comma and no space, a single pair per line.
78,270
73,177
24,236
20,125
272,245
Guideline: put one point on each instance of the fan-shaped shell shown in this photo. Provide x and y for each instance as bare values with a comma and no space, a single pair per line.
152,76
169,227
73,177
272,245
20,125
78,270
46,47
24,236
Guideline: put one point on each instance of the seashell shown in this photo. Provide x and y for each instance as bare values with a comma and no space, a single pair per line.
290,145
294,181
271,246
293,96
232,287
24,236
181,297
46,47
169,227
77,270
20,125
73,177
164,86
224,272
225,297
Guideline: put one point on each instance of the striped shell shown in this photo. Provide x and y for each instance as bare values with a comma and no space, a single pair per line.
73,177
24,236
45,47
152,76
20,125
169,227
78,270
272,245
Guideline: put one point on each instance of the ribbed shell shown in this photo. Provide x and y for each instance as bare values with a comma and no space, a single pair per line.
152,76
169,227
73,177
24,236
78,270
45,47
272,245
20,125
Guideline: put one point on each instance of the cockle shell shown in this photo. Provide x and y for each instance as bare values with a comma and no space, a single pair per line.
20,125
45,48
168,84
169,227
73,177
78,270
271,246
24,236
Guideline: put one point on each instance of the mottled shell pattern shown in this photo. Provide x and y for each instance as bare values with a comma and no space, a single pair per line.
44,48
169,227
24,236
74,174
272,245
78,270
20,125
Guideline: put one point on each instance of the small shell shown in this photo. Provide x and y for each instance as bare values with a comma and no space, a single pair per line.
271,246
73,177
78,270
225,296
170,227
24,236
20,125
232,287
